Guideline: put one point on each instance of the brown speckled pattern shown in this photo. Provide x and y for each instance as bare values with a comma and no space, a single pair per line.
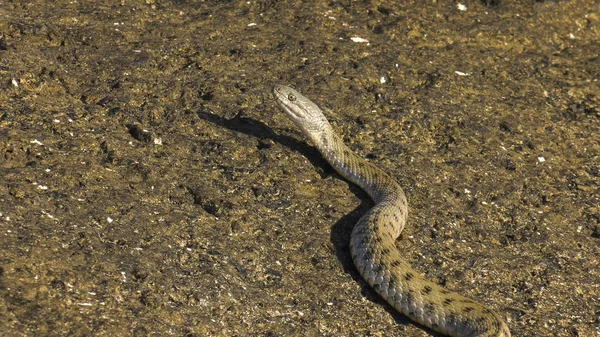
373,239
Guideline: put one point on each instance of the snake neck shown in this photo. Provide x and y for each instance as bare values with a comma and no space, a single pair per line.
376,183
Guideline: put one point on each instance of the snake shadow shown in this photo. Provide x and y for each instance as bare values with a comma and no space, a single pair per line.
342,229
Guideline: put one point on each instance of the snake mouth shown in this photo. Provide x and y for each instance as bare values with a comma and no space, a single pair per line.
294,116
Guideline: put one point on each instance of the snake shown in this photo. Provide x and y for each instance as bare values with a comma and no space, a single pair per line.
372,242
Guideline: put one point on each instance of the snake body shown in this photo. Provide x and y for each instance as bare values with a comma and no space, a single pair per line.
372,243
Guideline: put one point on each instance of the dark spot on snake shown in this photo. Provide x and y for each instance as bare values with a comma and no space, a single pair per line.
385,251
445,291
468,309
409,297
428,307
395,263
408,276
487,310
426,290
447,301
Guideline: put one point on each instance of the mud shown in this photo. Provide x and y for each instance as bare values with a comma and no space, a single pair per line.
150,186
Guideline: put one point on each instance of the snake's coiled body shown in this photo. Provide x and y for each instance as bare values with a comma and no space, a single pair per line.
372,244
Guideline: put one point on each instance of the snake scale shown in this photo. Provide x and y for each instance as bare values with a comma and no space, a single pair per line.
372,243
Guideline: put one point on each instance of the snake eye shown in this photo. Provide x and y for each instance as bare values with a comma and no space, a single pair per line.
291,97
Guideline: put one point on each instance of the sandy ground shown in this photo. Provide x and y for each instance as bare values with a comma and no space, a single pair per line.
150,186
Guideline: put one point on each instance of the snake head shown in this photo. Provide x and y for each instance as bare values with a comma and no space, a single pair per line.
303,112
